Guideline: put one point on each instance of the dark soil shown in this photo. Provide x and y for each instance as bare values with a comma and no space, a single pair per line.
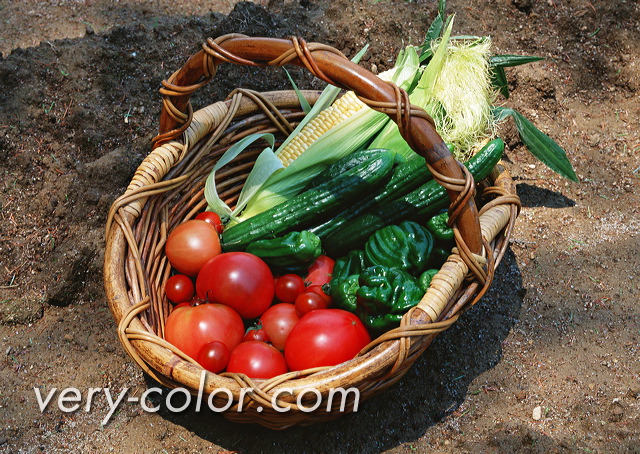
559,330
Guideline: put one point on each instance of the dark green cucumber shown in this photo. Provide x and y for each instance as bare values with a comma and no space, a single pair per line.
416,205
342,165
406,177
302,210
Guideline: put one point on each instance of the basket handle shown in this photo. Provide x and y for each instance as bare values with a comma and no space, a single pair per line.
330,65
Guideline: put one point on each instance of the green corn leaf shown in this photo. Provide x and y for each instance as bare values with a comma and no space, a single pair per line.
499,80
306,107
539,144
433,33
211,193
325,99
505,61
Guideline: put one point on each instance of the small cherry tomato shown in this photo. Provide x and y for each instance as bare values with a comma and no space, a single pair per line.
212,218
214,356
277,322
257,360
256,334
288,287
320,291
179,288
309,301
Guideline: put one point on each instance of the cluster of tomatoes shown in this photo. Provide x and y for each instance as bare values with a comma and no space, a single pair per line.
231,313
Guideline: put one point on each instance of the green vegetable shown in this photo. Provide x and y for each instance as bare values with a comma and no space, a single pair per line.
406,246
344,279
439,255
305,208
342,165
417,205
384,296
438,225
406,177
425,278
294,250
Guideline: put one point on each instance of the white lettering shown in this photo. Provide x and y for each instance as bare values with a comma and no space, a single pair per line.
229,399
112,405
143,400
41,404
64,398
274,400
315,406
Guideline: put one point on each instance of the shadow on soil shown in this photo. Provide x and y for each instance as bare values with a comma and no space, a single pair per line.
432,390
533,196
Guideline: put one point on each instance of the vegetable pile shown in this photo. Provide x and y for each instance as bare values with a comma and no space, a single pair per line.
339,231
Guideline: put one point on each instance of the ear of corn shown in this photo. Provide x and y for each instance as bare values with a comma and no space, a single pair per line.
343,108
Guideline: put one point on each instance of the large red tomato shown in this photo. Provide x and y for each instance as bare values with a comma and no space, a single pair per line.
325,337
192,244
191,327
277,322
237,279
257,360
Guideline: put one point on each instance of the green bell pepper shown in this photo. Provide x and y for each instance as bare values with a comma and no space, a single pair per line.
438,225
425,279
344,280
384,296
295,250
406,246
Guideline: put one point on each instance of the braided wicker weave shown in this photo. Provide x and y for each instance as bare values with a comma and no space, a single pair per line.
168,187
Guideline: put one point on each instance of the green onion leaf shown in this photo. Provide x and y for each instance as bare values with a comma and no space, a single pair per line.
539,144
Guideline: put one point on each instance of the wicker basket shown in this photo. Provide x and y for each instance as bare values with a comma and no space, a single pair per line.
167,189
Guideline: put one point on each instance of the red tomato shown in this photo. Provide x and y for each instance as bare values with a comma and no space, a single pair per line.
237,279
192,244
325,337
257,360
212,218
320,291
255,334
309,301
288,287
191,327
320,272
185,304
277,322
214,356
179,288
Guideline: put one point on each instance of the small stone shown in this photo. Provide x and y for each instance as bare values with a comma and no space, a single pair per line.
68,337
537,413
521,395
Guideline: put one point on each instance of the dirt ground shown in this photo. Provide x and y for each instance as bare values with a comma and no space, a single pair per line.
549,361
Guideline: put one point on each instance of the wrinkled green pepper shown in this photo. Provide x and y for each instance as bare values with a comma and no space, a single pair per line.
425,278
293,251
406,246
438,225
384,296
344,280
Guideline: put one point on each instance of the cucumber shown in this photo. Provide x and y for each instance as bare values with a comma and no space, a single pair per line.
317,203
406,177
342,165
416,205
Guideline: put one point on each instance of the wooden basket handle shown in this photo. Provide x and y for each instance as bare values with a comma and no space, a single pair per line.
328,64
